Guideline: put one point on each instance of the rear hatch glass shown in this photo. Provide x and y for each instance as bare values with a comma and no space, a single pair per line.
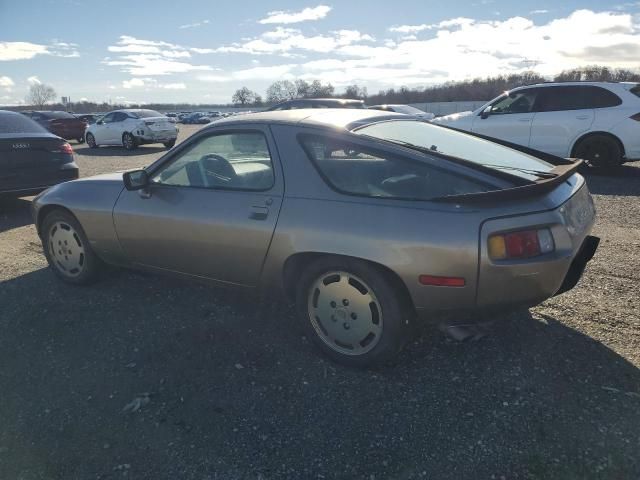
456,144
17,123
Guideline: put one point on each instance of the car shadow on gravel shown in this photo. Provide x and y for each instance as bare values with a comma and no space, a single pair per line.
108,151
624,180
152,378
14,213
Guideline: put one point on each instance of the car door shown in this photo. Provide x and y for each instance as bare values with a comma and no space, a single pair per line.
102,129
509,117
210,210
117,127
563,113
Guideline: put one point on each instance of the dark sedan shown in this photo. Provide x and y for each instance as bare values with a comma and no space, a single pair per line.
59,123
31,159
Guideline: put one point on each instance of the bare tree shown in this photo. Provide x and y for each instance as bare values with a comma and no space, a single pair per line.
281,90
40,94
356,92
244,96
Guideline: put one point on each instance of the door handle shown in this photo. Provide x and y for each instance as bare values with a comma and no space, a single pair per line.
524,119
258,213
582,117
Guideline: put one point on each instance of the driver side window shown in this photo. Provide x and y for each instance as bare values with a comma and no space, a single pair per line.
521,101
230,161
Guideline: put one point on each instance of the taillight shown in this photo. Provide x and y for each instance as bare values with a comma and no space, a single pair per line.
149,123
64,148
522,244
635,117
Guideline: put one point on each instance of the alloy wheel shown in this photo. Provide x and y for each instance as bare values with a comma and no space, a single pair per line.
345,313
66,249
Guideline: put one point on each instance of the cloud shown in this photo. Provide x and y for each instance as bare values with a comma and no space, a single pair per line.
278,72
462,48
27,50
411,28
33,80
284,40
151,83
151,57
309,13
194,25
6,83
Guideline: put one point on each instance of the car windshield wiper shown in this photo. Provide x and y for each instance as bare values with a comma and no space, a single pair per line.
536,173
434,148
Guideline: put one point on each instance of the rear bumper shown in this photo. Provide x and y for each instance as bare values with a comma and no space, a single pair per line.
159,137
32,182
584,256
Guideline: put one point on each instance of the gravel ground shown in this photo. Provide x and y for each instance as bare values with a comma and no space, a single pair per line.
145,377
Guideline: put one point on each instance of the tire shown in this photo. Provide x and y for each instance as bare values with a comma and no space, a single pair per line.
169,144
129,141
352,312
68,250
91,140
599,151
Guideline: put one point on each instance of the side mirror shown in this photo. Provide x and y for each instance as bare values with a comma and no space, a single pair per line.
99,122
136,179
485,113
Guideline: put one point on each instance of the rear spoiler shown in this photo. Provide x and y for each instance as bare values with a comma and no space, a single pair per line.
563,172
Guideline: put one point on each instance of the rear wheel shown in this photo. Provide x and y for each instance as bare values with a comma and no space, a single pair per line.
352,312
67,249
91,140
600,151
128,141
169,144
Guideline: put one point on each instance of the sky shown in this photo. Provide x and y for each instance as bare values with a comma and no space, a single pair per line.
198,51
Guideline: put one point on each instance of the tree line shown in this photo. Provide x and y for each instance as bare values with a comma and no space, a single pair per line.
40,95
454,91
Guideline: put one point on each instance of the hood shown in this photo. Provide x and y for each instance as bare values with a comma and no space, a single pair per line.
115,177
454,117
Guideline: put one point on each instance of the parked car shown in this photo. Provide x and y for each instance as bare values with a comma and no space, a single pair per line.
194,118
131,128
88,118
60,123
367,219
31,158
406,109
595,121
317,103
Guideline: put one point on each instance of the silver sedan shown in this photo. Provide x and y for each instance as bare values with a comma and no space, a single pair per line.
369,220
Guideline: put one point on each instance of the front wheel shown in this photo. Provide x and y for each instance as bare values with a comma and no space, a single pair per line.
169,144
128,141
91,140
352,312
67,249
599,151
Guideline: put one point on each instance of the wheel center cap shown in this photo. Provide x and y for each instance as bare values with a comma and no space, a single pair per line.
341,314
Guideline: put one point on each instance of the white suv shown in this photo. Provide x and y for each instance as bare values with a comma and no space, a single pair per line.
596,121
130,128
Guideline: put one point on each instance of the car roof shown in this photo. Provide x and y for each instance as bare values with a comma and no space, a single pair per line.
327,117
569,84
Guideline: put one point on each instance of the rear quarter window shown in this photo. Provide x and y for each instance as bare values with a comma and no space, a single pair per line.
352,169
636,90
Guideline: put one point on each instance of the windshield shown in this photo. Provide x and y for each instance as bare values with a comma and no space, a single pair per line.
18,123
145,113
458,144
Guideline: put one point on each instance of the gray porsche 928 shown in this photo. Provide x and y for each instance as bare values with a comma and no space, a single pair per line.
367,219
